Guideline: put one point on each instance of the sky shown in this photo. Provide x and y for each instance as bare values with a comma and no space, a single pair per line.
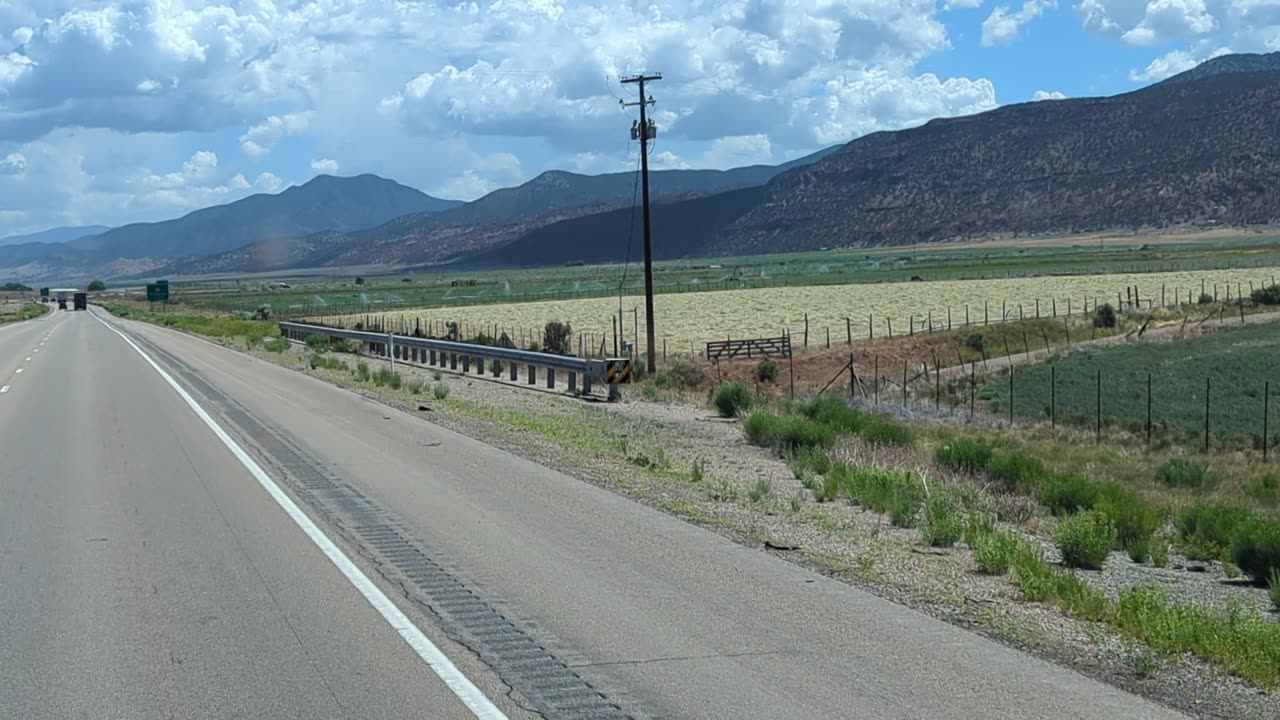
117,111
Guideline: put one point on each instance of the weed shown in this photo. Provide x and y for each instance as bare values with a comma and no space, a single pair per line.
318,343
1138,549
685,372
394,380
732,399
1066,494
994,551
766,371
827,490
723,491
1085,539
1183,473
1265,489
436,375
697,471
415,387
836,414
977,525
362,371
797,500
1230,570
440,391
1145,665
785,433
1016,470
883,490
1273,585
759,490
880,431
648,392
276,345
964,454
943,521
1256,548
1159,550
1134,519
1205,530
1104,316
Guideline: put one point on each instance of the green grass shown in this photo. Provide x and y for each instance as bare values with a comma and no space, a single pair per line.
15,312
1265,489
964,454
786,433
1189,474
1206,529
1016,470
891,492
1255,548
994,551
943,522
440,391
760,490
1235,360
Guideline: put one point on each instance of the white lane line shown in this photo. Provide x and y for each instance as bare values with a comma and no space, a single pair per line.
4,389
462,687
27,360
18,371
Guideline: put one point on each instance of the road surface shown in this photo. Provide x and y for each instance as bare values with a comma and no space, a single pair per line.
216,536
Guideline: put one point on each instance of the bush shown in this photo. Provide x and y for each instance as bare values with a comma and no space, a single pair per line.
557,337
1262,296
886,491
732,399
1138,550
759,490
1183,473
686,373
342,345
362,371
880,431
1206,529
1066,494
766,371
806,461
415,387
318,343
436,375
276,345
97,286
836,414
359,280
1159,551
1255,549
394,380
1273,584
964,454
1205,299
1134,519
1085,540
440,391
1104,316
786,433
943,521
976,342
1016,470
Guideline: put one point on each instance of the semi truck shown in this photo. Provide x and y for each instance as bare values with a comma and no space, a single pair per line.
81,301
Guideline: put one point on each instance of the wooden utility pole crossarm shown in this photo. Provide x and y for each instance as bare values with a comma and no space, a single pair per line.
644,131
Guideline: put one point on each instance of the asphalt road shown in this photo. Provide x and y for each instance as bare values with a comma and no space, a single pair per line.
145,571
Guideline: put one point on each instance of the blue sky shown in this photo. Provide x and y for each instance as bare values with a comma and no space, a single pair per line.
114,111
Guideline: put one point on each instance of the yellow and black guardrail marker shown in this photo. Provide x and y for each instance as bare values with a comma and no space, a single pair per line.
617,371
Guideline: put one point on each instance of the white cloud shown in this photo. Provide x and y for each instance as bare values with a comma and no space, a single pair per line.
13,163
961,4
1047,95
149,86
22,35
268,183
1002,26
1147,22
324,165
1166,65
261,138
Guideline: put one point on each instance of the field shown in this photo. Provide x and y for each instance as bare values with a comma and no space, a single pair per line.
686,320
14,311
336,291
1236,362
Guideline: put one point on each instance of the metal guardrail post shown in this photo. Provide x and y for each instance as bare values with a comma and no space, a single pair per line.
551,378
513,372
533,375
573,381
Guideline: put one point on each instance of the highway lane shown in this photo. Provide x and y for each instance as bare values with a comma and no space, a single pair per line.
144,574
20,343
662,617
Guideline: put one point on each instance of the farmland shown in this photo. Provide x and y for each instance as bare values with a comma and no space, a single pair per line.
685,320
1236,362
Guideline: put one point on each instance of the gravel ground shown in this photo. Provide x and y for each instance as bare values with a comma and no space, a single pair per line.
647,449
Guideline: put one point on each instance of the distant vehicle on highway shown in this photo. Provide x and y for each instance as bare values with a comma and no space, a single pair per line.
81,301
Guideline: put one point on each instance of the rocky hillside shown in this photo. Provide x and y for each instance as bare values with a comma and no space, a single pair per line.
1199,151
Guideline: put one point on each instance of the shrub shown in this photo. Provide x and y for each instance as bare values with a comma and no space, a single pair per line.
394,380
1206,529
318,342
1138,550
686,373
1134,519
1183,473
806,461
993,552
977,525
276,345
1066,494
1159,551
1085,539
835,413
362,371
1265,489
1269,295
964,454
1104,316
415,387
1016,470
880,431
436,375
886,491
976,342
99,286
1256,548
440,391
943,521
785,433
766,371
557,337
732,399
759,490
1273,584
697,472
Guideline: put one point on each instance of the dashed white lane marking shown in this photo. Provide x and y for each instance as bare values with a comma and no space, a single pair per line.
28,360
466,691
18,371
4,389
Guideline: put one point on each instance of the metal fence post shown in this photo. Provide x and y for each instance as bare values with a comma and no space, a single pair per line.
1148,409
391,350
1053,395
1266,405
1206,414
1098,423
1010,395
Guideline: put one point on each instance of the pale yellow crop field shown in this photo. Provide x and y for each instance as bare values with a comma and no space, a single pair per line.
687,320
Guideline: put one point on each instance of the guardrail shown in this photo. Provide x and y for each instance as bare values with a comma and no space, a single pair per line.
450,354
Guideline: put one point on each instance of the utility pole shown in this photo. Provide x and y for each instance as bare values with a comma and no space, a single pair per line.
644,131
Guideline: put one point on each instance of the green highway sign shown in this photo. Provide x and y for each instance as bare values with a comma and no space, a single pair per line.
158,291
44,292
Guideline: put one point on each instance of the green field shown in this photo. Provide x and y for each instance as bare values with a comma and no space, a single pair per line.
331,293
1236,362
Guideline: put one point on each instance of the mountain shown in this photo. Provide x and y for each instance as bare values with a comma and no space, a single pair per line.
495,220
55,235
1223,64
325,203
1200,151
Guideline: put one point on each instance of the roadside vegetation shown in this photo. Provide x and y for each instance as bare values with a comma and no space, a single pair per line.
17,312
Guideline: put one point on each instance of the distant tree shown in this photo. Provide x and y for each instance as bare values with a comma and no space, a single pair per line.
359,281
97,286
557,337
1104,316
15,287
